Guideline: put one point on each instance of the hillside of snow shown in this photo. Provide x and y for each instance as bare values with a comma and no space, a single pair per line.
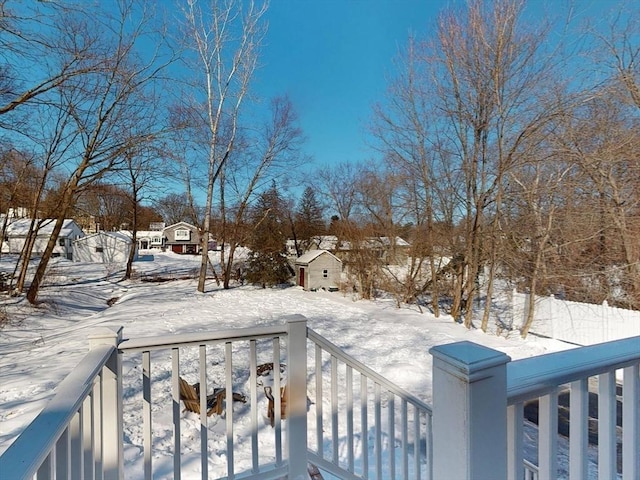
42,345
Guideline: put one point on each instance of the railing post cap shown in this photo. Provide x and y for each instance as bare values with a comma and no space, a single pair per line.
467,358
106,335
295,318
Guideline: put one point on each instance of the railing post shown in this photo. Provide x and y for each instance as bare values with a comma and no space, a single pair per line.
112,433
469,412
297,397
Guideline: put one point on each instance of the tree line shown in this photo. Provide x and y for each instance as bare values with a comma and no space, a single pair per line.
508,143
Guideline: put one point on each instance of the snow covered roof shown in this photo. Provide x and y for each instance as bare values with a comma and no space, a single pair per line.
330,242
311,255
386,241
21,227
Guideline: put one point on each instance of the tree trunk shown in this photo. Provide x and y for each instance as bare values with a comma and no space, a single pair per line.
533,287
25,257
458,271
435,295
38,277
134,243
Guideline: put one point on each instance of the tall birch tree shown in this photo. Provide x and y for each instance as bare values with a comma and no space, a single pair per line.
224,38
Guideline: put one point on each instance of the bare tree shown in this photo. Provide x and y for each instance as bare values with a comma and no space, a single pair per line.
224,38
41,33
407,139
174,208
353,234
488,69
141,171
621,49
105,105
529,224
601,138
272,151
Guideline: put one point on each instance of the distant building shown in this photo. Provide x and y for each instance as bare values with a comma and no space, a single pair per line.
182,237
390,250
18,230
156,226
150,239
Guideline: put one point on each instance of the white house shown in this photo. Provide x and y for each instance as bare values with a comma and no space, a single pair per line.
18,230
150,239
103,247
318,269
393,251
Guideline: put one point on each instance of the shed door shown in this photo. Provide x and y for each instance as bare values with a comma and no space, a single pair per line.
301,280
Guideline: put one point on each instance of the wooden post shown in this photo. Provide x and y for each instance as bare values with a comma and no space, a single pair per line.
111,421
297,401
469,412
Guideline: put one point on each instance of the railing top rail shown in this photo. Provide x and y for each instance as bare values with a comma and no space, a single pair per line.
25,455
199,338
362,368
536,376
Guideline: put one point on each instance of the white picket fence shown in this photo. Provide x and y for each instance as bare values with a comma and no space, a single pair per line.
574,322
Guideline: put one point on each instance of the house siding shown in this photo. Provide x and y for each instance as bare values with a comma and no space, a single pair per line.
314,271
179,244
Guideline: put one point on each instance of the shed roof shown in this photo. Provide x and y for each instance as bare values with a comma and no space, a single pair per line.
311,255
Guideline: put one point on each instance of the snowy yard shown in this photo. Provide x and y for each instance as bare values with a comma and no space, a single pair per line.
40,349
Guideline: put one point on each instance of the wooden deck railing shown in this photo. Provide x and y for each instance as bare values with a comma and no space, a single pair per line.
340,415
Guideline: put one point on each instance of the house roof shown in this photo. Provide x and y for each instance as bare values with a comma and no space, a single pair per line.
311,255
21,227
330,242
181,224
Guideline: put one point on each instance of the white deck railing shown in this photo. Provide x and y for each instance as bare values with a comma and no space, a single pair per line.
479,398
321,382
382,432
582,371
225,359
340,415
78,434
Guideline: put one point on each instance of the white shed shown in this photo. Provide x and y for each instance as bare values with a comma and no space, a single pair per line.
103,247
318,269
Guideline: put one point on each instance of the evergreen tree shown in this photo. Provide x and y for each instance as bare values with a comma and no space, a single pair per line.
268,265
309,221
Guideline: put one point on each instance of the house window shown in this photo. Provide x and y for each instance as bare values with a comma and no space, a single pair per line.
182,235
156,240
99,249
61,242
325,273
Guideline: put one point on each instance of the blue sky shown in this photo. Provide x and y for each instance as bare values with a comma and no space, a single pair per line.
333,58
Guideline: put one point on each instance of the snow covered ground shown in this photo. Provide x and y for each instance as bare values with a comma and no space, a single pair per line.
41,346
